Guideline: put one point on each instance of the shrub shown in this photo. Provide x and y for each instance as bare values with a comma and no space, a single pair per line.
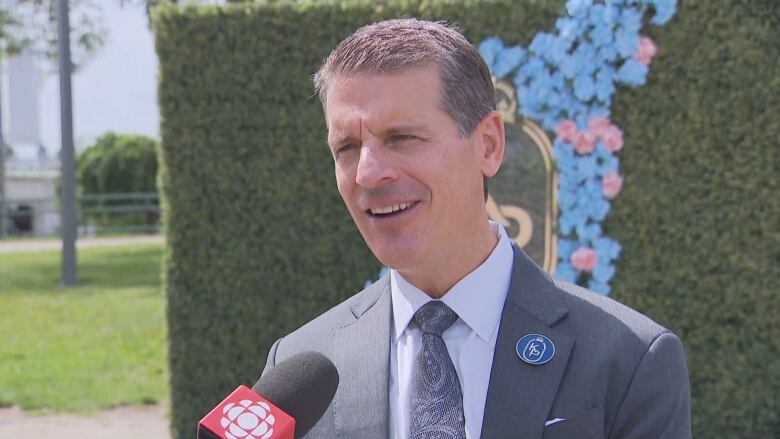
119,164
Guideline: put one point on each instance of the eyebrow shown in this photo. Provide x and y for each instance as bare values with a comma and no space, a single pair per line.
337,141
393,130
405,128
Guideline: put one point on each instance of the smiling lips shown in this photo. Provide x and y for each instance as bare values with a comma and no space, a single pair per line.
389,210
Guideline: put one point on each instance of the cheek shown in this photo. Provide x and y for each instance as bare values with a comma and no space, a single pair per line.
342,184
343,177
463,176
347,189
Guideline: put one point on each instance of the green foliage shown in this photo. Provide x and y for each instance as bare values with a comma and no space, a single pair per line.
259,240
32,25
119,164
698,215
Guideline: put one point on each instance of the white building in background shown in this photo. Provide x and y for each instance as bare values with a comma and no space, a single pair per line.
114,91
31,172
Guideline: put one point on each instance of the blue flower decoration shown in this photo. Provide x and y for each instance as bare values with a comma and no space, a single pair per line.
567,28
576,7
631,19
607,248
603,272
664,10
489,50
571,72
507,60
566,247
626,42
599,287
633,73
584,87
608,164
566,271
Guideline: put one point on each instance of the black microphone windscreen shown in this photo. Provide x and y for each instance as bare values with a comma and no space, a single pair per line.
303,386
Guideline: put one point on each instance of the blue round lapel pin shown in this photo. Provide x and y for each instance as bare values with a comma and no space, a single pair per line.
535,349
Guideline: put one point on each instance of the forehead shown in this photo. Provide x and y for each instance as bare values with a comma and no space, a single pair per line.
376,99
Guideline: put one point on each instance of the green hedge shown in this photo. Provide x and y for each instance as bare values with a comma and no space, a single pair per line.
259,241
698,215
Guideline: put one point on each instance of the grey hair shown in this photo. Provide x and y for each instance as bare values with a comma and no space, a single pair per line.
396,45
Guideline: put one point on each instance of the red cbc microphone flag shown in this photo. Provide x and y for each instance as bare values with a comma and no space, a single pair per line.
246,415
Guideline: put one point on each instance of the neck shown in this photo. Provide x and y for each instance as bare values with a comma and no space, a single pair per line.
453,264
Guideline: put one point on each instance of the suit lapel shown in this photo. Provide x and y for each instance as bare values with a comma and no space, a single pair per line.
520,395
361,350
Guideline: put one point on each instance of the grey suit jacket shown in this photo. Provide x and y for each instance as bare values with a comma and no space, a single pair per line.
615,373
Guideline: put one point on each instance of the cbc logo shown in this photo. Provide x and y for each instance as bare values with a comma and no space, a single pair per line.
248,420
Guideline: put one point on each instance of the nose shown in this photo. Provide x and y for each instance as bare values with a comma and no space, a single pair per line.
375,167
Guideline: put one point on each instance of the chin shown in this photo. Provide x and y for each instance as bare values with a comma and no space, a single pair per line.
395,256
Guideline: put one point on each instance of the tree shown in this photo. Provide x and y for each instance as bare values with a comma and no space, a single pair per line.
32,25
119,164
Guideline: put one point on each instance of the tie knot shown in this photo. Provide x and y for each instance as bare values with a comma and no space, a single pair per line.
434,318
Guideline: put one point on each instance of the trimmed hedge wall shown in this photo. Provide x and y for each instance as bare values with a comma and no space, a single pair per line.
698,215
259,241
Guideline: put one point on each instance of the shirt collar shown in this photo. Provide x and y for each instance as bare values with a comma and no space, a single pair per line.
478,298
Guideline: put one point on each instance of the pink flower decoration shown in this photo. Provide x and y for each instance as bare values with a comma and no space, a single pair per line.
599,125
584,142
584,259
646,50
613,138
566,130
611,184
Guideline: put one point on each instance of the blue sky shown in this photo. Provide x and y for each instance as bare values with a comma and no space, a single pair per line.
116,90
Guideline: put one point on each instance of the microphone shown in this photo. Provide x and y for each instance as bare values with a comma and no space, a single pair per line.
285,403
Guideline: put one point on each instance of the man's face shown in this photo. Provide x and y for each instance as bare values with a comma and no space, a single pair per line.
412,185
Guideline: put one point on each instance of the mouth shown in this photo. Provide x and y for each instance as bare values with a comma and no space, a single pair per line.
391,210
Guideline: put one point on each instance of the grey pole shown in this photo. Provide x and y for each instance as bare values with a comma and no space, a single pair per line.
68,165
2,165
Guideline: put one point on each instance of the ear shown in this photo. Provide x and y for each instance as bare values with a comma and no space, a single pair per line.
493,142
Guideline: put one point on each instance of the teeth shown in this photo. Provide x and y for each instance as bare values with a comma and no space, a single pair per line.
389,209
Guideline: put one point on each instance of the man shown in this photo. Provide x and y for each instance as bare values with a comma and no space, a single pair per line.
465,337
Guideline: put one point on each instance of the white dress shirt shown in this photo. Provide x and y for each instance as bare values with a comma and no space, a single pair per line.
478,299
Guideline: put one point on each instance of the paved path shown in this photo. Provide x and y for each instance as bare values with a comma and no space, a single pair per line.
147,422
28,245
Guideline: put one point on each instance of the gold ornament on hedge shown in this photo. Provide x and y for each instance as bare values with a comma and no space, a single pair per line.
522,195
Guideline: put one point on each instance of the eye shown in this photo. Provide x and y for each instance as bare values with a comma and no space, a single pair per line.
402,138
345,148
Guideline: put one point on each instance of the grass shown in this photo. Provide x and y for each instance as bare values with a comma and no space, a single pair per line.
97,345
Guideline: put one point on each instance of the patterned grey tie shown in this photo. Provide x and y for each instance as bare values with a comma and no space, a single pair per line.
436,410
